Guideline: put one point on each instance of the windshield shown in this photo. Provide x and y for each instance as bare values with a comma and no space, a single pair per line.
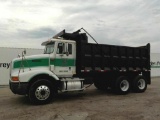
49,48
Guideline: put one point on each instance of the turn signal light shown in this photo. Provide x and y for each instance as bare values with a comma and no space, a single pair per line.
15,78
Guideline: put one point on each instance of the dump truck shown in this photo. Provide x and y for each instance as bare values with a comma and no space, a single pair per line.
71,63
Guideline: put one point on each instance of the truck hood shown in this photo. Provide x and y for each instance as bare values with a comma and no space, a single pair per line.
31,61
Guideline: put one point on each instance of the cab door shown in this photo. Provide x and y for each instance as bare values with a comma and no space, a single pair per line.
64,62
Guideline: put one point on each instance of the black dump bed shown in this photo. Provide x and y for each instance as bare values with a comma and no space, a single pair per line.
112,57
103,57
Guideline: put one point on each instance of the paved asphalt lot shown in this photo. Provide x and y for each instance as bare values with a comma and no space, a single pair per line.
91,104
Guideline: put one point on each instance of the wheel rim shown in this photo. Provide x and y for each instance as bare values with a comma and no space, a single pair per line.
42,92
141,84
124,85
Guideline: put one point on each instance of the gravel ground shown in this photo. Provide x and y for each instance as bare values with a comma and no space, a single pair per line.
91,104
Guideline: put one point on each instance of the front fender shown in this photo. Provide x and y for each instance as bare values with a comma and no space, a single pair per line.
27,76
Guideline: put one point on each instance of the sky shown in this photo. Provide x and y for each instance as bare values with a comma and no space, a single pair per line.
28,23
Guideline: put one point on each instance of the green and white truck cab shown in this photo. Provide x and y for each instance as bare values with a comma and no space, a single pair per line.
56,64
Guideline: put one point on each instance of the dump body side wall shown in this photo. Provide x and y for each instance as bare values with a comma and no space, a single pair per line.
112,59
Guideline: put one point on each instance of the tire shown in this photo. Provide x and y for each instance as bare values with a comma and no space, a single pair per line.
139,84
41,92
122,85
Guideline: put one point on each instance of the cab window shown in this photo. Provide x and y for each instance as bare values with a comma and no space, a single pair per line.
70,48
49,48
60,48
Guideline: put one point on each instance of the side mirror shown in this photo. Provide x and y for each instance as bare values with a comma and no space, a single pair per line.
19,56
24,51
67,53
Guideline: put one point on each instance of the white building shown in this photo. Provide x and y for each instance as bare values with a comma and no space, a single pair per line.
155,64
6,55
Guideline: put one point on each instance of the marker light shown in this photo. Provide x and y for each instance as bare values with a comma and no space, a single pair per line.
15,78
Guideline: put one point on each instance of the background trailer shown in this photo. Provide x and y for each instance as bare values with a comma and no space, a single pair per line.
155,64
6,55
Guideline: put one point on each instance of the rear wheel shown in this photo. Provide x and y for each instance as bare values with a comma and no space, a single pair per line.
139,84
122,85
41,92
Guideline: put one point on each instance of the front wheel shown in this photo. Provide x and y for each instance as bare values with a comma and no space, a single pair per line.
41,92
139,84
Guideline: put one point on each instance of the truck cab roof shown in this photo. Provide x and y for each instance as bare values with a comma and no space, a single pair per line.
54,40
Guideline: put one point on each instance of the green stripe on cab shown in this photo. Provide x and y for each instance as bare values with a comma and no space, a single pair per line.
63,62
40,62
31,63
